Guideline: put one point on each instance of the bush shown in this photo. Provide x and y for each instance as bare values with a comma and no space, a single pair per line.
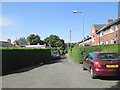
13,58
78,52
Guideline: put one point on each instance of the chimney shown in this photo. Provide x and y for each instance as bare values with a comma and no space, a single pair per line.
87,36
9,40
110,20
119,15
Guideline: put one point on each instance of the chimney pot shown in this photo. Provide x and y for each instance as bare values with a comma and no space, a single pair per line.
110,20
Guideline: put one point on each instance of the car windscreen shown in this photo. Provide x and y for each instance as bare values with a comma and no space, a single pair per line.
108,56
55,52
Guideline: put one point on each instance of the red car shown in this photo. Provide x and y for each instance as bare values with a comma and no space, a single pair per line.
102,64
55,54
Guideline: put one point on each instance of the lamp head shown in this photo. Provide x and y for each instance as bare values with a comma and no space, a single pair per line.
75,11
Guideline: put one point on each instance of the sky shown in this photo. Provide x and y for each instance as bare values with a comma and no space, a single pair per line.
20,19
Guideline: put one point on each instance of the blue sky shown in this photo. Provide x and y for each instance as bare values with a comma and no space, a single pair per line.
21,19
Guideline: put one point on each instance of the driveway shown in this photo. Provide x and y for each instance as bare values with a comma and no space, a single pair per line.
63,73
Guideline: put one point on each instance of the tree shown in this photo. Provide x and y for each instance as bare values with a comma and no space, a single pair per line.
21,41
52,40
55,41
33,39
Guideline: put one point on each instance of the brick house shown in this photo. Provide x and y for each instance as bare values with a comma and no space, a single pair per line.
104,33
94,35
93,39
110,33
87,41
6,44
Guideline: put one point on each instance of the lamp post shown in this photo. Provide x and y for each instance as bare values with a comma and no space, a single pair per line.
70,39
75,11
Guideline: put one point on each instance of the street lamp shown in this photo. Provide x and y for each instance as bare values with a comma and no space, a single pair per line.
75,11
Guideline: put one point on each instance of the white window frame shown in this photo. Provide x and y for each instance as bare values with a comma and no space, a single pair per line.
101,33
107,42
112,29
118,26
113,40
102,43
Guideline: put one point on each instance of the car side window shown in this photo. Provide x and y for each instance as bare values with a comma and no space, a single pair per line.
92,56
89,57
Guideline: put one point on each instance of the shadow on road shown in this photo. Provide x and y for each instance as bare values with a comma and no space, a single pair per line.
24,69
33,66
115,87
110,78
115,78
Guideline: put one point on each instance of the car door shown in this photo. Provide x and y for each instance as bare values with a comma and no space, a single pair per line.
90,60
87,62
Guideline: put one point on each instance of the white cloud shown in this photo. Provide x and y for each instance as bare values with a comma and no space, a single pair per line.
6,21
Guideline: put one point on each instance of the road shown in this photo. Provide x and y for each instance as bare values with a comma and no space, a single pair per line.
65,73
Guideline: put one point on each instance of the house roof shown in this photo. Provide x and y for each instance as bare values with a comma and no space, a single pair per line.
88,38
98,26
6,44
108,25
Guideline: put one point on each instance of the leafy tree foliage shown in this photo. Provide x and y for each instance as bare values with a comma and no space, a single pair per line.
21,41
54,41
33,39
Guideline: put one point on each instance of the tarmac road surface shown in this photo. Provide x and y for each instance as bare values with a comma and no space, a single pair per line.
63,73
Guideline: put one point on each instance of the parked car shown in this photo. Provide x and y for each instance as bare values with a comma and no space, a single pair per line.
55,54
102,64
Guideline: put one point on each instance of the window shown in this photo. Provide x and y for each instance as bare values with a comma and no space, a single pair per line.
112,28
92,56
101,33
107,42
108,56
118,26
102,42
113,41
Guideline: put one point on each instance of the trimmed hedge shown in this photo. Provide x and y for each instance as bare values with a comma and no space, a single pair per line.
13,58
78,52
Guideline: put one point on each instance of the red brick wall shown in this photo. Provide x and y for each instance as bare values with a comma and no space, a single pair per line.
96,36
110,36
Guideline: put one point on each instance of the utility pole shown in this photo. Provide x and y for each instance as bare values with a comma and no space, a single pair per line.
70,38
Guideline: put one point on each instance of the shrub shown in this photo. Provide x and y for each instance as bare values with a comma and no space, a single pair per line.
13,58
78,52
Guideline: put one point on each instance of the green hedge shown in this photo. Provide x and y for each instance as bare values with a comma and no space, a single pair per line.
78,52
13,58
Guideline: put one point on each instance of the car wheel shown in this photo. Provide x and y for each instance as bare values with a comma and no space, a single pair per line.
92,74
84,67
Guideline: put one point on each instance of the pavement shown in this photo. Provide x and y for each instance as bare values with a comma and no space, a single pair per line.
62,73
